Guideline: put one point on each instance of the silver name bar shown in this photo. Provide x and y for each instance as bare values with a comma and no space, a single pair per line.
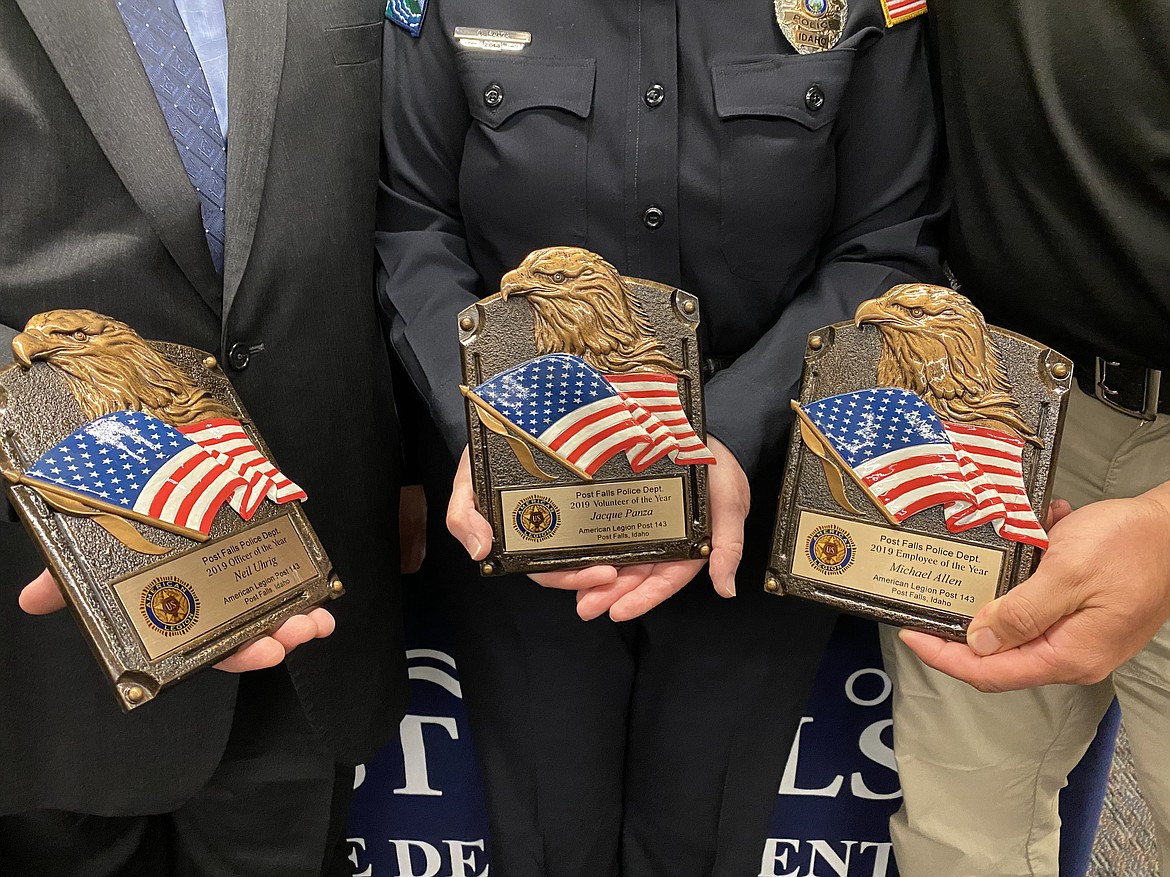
492,40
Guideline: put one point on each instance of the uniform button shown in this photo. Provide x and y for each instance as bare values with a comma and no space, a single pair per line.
493,96
239,355
814,98
655,94
653,218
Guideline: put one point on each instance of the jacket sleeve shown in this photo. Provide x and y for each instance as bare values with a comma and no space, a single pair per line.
886,229
428,276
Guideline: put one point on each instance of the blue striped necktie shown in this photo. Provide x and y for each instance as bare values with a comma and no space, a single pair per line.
157,30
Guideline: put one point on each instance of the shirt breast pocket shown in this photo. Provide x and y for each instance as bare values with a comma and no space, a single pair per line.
777,174
523,176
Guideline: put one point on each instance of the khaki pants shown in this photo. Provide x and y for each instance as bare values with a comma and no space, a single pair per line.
980,772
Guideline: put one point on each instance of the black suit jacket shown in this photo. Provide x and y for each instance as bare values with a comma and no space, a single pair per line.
96,211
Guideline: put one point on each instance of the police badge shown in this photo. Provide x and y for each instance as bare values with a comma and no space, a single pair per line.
585,417
918,471
153,500
812,25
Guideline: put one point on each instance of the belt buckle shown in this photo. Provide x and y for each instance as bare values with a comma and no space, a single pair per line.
1101,390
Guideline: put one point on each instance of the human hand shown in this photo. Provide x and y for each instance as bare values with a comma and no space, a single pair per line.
1100,592
412,527
471,528
638,589
41,596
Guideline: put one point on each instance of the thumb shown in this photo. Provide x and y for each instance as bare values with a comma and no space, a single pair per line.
463,520
1057,512
41,596
1022,614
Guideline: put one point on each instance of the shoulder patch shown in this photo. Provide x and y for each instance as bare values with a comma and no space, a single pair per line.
408,14
898,11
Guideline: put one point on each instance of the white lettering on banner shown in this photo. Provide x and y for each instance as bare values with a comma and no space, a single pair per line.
411,855
870,744
437,675
854,697
850,862
463,857
414,752
432,861
788,781
773,857
356,843
875,749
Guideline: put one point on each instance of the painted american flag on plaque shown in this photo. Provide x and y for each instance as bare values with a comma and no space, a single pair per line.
132,461
585,418
910,459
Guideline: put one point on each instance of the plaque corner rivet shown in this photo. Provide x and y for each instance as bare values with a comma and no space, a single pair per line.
487,569
816,342
467,324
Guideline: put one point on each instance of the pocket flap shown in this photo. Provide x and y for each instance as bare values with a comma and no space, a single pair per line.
355,43
499,87
804,88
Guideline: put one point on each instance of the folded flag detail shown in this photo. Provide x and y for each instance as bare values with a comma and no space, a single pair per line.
130,461
909,459
584,418
226,440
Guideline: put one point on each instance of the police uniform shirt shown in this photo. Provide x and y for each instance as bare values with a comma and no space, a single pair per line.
686,142
1057,123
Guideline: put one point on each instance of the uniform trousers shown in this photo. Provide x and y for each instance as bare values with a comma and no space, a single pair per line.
652,748
981,773
275,807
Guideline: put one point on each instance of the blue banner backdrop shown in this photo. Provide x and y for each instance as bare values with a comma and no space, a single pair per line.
418,809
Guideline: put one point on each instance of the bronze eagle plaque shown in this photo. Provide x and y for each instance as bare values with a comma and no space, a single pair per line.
173,536
585,417
918,471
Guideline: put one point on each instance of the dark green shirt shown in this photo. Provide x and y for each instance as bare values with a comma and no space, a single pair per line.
1058,124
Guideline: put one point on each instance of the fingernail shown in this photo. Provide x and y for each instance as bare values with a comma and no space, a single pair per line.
983,641
473,546
586,613
729,589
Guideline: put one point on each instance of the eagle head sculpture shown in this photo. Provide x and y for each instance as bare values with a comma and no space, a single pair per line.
110,368
581,305
935,343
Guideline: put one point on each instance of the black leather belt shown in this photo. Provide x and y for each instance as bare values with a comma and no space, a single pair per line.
1130,389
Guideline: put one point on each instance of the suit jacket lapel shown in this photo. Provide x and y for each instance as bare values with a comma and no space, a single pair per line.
94,57
256,40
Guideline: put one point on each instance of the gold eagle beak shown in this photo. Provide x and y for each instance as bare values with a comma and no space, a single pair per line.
24,349
514,283
871,312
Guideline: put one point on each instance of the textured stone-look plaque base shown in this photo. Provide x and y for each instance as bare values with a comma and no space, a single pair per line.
546,515
153,620
837,539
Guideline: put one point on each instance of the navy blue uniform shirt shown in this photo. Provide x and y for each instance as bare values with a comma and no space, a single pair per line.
787,187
